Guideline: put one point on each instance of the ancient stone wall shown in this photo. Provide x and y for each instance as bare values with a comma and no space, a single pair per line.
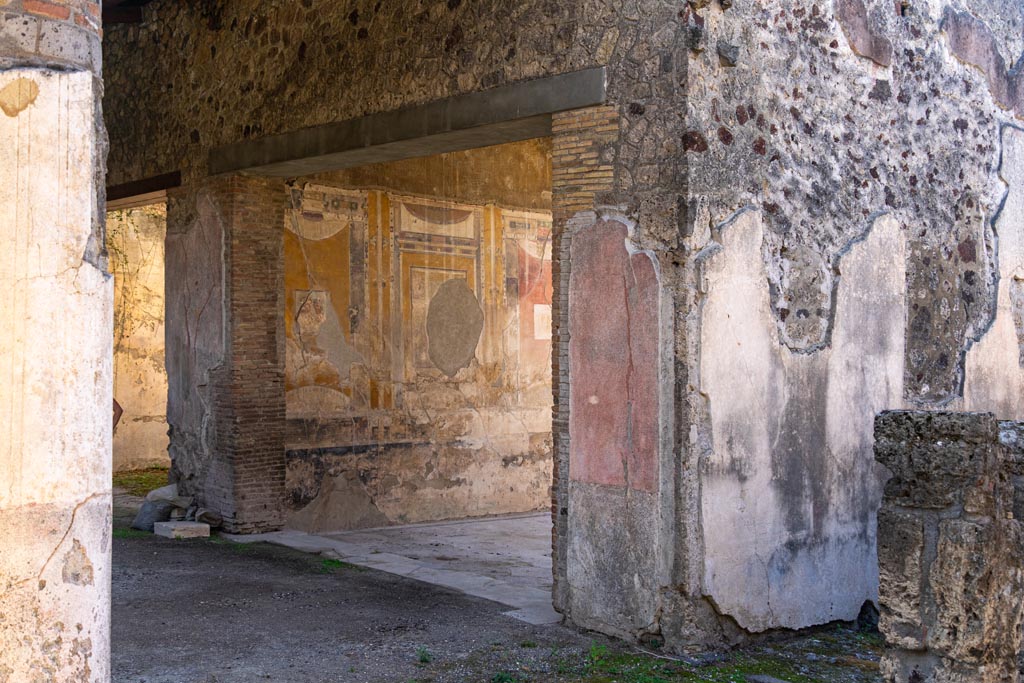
864,154
950,549
781,147
135,247
418,325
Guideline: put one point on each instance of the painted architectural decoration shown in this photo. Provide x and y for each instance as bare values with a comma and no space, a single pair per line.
418,358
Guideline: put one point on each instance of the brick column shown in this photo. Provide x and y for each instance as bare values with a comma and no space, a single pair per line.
580,171
245,483
950,554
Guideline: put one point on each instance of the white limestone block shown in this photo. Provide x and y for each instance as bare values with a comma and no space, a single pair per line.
182,529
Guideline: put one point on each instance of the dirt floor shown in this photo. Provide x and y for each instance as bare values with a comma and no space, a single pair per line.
213,611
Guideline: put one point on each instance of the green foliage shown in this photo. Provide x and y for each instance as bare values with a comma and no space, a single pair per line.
423,655
503,677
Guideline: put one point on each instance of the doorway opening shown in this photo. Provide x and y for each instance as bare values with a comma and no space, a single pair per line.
136,230
418,371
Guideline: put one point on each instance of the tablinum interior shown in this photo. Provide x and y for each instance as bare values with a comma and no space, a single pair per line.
418,339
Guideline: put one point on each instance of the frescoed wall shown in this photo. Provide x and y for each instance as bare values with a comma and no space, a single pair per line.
135,243
418,333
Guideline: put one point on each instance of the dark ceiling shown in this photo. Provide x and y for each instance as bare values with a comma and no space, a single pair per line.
123,11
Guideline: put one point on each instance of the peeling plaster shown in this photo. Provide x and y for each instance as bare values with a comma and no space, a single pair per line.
971,40
76,567
994,377
196,320
790,489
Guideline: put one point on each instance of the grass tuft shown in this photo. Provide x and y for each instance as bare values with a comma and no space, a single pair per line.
141,482
330,566
128,532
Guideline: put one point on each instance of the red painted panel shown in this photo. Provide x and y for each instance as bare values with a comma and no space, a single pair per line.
534,288
613,361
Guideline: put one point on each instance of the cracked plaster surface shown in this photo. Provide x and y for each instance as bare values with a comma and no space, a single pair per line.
56,370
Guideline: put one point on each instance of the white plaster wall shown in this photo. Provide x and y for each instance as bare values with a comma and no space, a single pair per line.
55,387
790,488
993,377
135,244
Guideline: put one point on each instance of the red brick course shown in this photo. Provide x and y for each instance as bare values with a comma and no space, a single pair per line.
47,9
82,13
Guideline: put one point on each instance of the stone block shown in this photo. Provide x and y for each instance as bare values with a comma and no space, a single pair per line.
1011,436
956,618
901,540
950,671
182,529
1018,497
19,34
936,457
916,667
977,581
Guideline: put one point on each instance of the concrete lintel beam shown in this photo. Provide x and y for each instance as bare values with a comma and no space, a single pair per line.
514,112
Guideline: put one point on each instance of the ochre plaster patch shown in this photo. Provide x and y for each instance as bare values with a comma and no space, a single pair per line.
18,95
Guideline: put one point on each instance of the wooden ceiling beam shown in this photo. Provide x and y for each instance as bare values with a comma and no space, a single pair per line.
145,186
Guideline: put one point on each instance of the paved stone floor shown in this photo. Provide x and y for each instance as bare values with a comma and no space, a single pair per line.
504,559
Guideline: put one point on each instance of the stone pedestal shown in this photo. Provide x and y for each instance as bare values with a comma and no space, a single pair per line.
950,553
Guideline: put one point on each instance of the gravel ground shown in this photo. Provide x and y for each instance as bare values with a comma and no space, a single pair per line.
212,611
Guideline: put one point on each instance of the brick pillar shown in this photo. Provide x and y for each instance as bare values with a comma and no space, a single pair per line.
580,171
245,483
950,554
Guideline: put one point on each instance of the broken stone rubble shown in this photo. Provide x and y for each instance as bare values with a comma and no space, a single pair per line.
164,504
